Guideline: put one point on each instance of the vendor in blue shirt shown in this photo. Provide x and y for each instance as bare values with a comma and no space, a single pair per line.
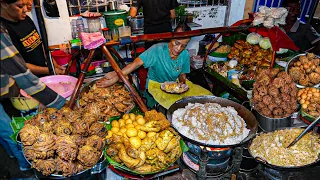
166,61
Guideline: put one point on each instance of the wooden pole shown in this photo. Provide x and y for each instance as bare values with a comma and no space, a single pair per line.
73,58
117,69
80,79
113,51
273,59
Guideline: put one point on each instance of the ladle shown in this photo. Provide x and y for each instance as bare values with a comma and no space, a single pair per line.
304,132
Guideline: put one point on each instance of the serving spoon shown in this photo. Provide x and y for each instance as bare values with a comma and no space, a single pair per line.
304,132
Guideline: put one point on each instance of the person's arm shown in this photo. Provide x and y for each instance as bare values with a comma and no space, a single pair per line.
136,4
133,12
37,69
182,78
173,5
13,64
112,77
172,14
45,70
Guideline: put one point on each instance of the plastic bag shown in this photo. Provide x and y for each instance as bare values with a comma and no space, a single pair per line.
278,12
265,10
253,38
258,19
265,43
269,22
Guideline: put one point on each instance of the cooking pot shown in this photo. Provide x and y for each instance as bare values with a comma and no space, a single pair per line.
270,124
113,5
243,112
136,23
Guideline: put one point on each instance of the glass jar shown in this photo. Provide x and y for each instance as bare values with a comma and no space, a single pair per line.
115,35
94,24
106,34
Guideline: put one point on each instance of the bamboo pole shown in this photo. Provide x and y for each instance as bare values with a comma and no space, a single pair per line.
80,79
117,69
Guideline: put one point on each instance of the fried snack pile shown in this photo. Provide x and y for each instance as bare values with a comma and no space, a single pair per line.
306,71
63,141
107,102
309,99
274,94
250,55
143,144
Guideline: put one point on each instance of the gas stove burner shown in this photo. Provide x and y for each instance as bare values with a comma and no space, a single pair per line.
213,170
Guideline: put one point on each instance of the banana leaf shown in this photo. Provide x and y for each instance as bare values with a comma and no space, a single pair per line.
307,116
184,148
16,124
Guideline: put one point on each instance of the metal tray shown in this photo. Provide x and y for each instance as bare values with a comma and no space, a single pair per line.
290,64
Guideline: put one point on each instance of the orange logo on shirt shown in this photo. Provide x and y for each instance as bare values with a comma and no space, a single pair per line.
31,41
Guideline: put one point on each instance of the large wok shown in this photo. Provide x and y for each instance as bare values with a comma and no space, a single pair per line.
266,163
248,117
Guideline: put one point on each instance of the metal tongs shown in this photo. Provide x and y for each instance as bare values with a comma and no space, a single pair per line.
305,132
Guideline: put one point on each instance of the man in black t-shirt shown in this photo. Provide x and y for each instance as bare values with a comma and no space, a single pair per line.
27,40
157,15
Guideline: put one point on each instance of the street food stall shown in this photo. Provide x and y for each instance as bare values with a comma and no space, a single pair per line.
247,99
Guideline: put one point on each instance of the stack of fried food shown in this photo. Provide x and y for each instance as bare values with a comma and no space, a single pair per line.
306,71
144,144
309,98
274,94
63,141
110,101
250,55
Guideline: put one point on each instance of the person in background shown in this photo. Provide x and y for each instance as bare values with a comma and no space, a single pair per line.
305,37
25,36
157,15
15,75
166,61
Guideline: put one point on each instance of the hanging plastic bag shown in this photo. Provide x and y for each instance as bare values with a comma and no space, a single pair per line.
51,8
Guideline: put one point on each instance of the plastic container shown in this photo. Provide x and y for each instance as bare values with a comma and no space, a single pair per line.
23,103
106,34
74,29
94,24
124,31
61,57
115,35
115,19
80,25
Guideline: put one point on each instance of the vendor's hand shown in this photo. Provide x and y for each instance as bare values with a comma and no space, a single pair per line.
59,69
110,75
104,82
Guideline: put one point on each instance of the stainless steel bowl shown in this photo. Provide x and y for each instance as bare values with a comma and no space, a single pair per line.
270,124
290,64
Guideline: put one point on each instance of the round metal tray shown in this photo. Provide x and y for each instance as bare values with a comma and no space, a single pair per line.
290,64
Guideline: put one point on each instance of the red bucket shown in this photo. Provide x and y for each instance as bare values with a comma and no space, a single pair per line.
61,57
